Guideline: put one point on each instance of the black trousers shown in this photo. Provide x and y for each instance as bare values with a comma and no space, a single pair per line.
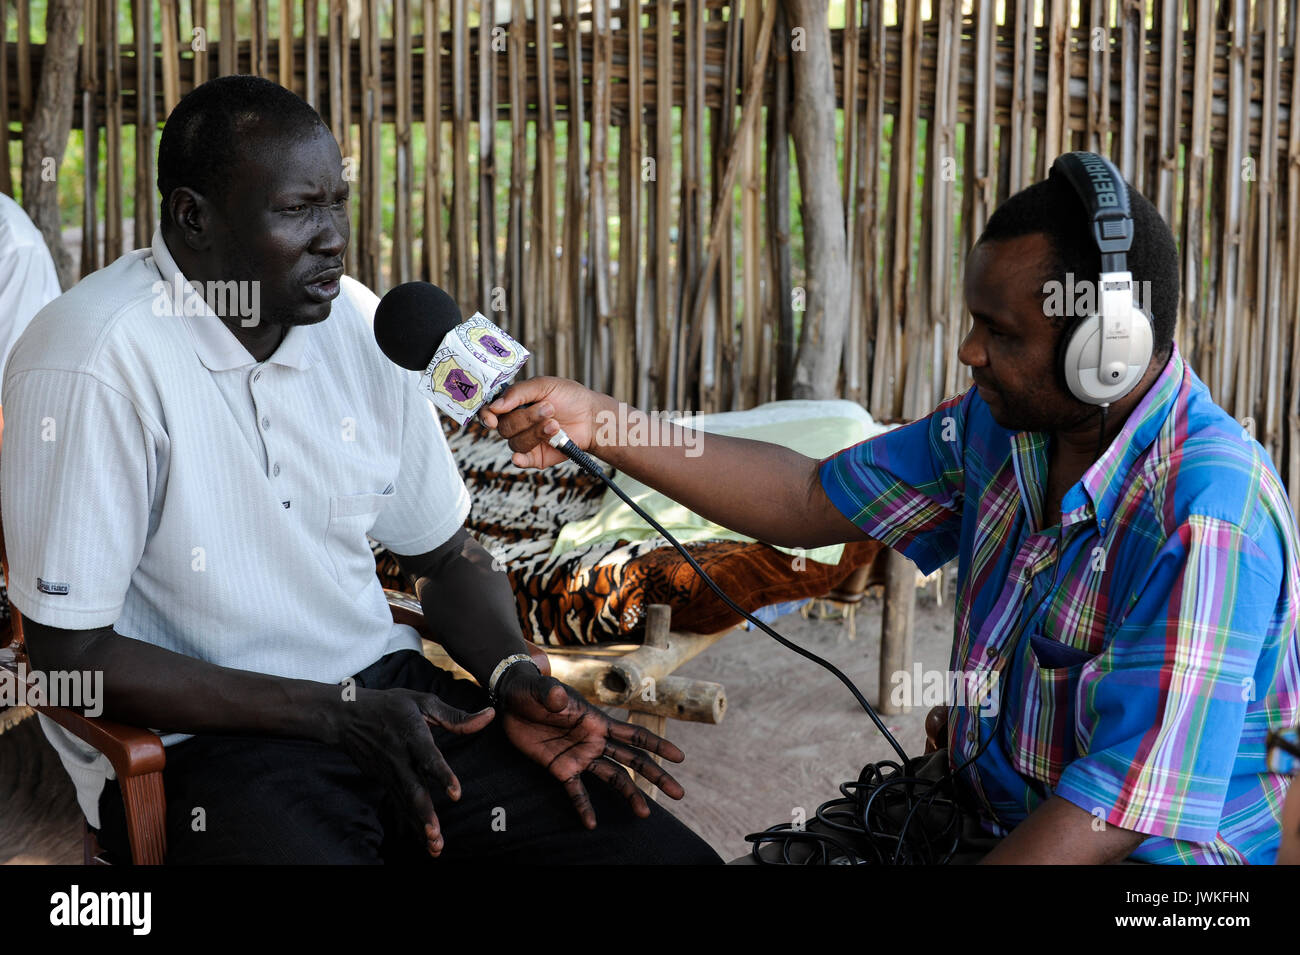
247,799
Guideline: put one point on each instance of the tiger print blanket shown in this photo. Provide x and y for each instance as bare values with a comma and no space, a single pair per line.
599,593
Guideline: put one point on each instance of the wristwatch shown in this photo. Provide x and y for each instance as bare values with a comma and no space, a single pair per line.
500,670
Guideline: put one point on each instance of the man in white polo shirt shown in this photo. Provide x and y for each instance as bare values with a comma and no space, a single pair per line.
28,281
189,478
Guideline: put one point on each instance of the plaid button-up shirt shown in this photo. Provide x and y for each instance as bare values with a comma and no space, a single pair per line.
1143,647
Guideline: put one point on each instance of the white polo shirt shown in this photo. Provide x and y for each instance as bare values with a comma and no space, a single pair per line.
157,478
27,276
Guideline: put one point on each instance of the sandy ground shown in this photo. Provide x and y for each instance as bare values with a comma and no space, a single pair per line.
791,734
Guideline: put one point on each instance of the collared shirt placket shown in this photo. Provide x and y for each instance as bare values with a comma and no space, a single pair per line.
998,637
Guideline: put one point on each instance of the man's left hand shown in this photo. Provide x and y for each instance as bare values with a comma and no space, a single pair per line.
554,726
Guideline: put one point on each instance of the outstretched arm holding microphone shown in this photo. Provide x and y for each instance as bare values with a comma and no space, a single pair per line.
764,491
720,479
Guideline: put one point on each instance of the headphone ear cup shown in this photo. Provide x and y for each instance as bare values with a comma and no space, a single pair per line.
1082,348
1143,338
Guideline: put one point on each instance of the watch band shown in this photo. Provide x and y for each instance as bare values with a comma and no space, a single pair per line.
500,670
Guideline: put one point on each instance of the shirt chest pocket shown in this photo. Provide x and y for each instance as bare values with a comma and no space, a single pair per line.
351,517
1057,645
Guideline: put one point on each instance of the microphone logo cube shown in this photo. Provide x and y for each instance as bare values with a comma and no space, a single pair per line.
490,345
475,360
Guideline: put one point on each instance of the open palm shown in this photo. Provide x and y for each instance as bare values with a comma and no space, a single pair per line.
555,727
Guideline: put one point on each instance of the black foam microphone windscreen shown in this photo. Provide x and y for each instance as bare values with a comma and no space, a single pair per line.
411,321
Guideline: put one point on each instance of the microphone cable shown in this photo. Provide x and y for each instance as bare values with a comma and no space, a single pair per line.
877,818
562,442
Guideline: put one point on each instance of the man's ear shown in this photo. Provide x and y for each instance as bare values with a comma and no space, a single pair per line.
190,214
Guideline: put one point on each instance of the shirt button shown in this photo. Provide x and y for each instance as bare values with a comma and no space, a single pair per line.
266,422
258,376
275,471
972,736
990,651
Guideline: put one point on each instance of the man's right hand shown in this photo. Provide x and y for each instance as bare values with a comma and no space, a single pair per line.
387,734
530,412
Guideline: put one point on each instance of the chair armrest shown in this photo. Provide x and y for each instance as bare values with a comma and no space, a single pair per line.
132,751
137,757
406,609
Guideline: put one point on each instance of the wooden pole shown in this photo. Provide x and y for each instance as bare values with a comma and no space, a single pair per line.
630,315
662,197
778,212
199,17
897,628
90,257
597,345
45,132
435,261
487,173
311,53
572,304
146,124
544,225
6,173
520,319
403,147
113,239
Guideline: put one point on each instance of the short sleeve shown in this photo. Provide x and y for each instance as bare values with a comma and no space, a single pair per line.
27,284
1167,699
906,487
75,485
430,501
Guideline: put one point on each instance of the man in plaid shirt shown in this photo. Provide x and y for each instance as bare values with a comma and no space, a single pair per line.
1133,582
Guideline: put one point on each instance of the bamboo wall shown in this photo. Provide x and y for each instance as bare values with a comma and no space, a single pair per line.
647,245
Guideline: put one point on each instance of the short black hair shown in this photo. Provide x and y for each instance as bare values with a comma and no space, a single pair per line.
199,141
1054,209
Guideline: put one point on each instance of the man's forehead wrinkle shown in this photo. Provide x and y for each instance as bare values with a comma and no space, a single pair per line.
1009,274
983,288
282,162
261,130
309,175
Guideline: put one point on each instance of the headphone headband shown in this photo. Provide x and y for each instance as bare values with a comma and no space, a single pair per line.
1105,198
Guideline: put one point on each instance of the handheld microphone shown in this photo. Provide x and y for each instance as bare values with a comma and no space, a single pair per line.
464,364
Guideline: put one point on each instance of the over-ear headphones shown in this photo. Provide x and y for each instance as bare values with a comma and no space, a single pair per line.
1105,355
